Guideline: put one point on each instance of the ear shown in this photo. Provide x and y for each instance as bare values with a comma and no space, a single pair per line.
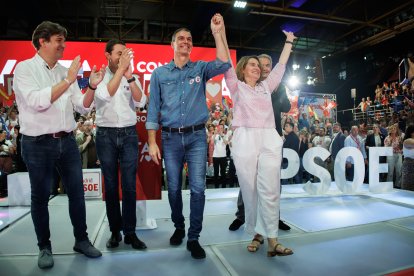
172,45
107,55
42,42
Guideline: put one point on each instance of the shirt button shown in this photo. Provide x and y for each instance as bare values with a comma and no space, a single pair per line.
183,102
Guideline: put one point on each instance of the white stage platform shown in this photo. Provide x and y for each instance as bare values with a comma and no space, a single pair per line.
335,234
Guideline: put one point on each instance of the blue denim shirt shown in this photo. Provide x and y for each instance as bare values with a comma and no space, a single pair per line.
178,96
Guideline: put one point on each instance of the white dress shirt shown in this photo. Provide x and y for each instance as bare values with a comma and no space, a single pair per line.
358,143
32,84
118,110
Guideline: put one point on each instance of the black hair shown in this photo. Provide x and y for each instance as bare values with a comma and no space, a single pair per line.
45,30
111,43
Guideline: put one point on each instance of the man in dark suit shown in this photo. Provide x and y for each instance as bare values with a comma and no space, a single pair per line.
291,142
280,103
337,143
375,139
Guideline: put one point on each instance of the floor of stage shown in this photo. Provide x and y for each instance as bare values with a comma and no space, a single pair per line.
334,234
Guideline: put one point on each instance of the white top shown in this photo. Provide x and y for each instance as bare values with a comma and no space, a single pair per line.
408,153
5,149
319,141
219,146
118,110
12,123
32,84
351,141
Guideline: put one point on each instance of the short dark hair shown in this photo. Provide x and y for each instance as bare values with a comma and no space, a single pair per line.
290,124
177,31
408,132
111,43
45,30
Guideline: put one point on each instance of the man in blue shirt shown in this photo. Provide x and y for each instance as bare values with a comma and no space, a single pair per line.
303,122
178,103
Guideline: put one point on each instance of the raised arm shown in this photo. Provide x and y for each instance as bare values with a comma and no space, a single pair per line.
123,66
217,27
284,56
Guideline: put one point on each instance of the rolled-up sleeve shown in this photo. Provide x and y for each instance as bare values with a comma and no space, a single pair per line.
77,99
154,103
216,67
143,101
24,86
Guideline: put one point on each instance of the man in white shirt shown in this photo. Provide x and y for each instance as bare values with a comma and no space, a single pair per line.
46,93
354,140
117,141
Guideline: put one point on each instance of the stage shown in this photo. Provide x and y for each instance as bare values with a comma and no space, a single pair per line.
334,234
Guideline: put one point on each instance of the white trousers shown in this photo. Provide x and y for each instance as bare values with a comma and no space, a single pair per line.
257,155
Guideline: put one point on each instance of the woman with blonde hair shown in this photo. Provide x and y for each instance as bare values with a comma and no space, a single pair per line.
257,147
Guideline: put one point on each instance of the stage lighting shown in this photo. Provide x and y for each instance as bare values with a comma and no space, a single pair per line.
240,4
295,66
293,81
311,81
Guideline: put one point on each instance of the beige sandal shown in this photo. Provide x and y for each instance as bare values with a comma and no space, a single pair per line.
283,251
255,244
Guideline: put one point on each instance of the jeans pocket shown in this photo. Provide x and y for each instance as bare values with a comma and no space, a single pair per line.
101,132
131,131
165,135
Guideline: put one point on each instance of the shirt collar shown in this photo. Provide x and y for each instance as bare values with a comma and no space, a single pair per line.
172,65
39,59
108,71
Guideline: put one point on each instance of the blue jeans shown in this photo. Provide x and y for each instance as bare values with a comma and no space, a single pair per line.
119,146
42,154
177,149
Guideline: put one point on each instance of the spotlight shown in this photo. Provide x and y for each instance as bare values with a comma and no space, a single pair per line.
310,81
293,81
240,4
295,66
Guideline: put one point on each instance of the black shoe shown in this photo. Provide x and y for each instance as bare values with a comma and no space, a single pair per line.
45,259
114,240
235,225
86,248
133,240
283,226
197,252
177,237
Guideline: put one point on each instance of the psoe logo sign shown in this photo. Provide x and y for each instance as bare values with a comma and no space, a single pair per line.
142,118
145,154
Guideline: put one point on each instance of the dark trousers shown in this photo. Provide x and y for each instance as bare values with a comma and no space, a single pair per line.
220,165
349,173
119,146
42,154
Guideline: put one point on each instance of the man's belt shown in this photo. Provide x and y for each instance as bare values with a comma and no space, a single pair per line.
184,129
60,134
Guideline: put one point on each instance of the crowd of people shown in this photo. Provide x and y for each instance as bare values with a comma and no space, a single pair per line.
246,141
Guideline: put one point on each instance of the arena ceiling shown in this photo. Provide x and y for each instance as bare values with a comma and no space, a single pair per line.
324,27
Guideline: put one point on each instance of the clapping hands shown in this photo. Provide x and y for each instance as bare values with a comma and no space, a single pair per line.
96,76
